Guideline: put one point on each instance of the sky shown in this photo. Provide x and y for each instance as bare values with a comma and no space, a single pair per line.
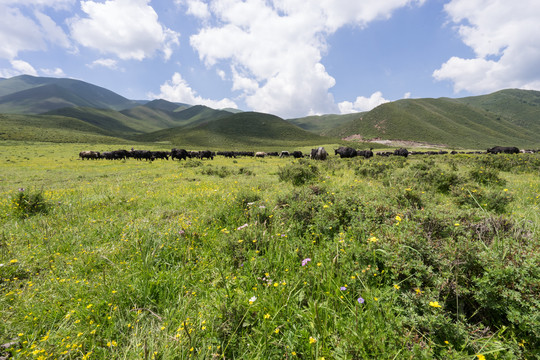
291,58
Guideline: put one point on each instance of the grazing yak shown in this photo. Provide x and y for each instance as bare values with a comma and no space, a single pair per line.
345,152
206,154
227,154
401,152
260,154
284,154
503,149
365,153
297,154
90,155
180,154
318,154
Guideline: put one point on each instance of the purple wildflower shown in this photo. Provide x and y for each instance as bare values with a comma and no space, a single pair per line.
343,288
360,300
305,261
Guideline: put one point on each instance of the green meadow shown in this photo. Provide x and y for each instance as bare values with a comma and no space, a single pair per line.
249,258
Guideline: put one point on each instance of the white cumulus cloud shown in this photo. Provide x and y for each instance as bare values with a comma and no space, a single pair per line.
198,9
56,72
51,31
108,63
178,90
127,28
22,67
505,38
362,103
18,33
275,48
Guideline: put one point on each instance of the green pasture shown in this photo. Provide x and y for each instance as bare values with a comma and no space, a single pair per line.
386,258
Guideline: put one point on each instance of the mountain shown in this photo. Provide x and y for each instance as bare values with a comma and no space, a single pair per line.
52,128
27,94
165,105
239,131
508,117
323,123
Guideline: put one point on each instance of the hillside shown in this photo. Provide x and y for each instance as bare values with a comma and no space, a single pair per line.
507,117
321,124
32,95
241,130
477,122
160,104
57,129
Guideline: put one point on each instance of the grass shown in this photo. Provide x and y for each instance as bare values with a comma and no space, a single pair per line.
507,117
207,259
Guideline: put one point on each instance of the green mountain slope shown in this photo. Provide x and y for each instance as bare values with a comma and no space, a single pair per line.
520,107
164,105
454,122
199,114
48,128
31,95
112,122
321,124
156,118
237,131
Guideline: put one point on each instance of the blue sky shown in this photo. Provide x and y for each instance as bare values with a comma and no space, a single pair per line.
291,58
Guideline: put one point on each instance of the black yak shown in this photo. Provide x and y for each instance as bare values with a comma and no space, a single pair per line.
345,152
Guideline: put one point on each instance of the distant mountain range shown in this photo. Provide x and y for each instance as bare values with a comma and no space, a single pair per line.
67,110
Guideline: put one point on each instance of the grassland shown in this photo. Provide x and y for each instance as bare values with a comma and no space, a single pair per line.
418,258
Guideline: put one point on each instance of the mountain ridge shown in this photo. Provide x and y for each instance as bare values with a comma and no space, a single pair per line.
506,117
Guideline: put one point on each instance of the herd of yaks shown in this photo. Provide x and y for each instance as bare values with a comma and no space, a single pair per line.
317,153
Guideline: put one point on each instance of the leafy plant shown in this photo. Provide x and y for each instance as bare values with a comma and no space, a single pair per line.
298,173
26,203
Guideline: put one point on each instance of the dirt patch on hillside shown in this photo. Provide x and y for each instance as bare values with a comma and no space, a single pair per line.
396,142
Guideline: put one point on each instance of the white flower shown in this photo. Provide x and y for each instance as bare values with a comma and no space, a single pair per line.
252,299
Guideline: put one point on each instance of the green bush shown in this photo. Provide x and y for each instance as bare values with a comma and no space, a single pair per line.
378,169
487,176
26,203
298,173
222,171
473,196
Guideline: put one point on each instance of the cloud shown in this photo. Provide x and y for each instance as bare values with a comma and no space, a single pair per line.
505,41
51,31
18,33
362,103
55,4
108,63
127,28
178,90
198,9
22,67
275,48
56,72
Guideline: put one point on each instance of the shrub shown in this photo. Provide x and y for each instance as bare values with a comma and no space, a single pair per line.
193,163
435,177
473,196
487,176
298,173
218,171
26,203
